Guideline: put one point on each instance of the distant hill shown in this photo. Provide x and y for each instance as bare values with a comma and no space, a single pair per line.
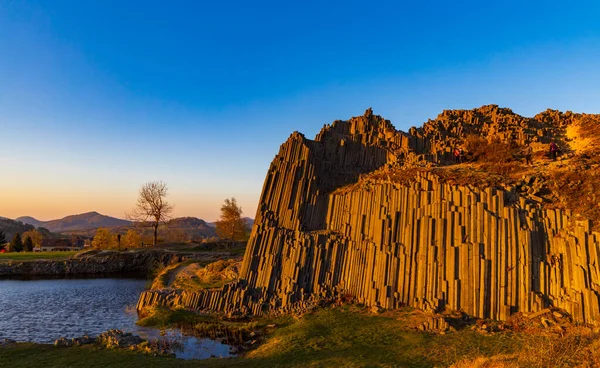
189,228
11,227
182,229
84,221
179,229
249,221
30,221
188,222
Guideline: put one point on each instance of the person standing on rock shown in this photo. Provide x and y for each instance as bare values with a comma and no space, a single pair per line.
457,155
528,152
553,150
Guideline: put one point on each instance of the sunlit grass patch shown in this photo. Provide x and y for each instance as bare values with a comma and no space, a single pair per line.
32,256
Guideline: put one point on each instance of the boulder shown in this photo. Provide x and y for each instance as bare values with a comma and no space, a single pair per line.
118,339
63,342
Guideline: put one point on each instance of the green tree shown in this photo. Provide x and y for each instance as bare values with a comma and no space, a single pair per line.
28,244
231,225
103,239
17,243
151,206
2,239
44,232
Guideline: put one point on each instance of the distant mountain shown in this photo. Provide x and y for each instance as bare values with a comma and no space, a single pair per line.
178,229
189,228
84,221
187,222
249,221
182,229
30,221
11,227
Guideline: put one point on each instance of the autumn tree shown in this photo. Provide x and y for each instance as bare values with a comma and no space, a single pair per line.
16,244
132,239
231,225
36,237
103,239
151,206
28,244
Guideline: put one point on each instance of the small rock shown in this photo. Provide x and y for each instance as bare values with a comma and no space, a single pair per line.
118,338
376,309
547,323
84,340
7,342
272,326
557,315
63,342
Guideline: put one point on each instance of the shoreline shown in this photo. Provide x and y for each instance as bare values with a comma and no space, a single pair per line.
108,263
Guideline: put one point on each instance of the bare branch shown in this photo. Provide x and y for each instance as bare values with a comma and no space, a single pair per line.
151,206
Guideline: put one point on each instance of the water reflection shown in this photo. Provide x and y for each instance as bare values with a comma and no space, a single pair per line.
185,346
43,310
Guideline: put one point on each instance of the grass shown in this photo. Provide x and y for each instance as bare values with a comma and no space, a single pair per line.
165,318
329,337
33,355
165,275
347,337
197,285
209,276
33,256
235,250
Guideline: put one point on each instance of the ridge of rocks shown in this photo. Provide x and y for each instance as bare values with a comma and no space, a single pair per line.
388,218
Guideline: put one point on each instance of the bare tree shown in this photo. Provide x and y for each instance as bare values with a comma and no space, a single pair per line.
151,206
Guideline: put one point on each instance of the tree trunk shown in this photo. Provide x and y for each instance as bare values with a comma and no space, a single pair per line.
232,232
155,233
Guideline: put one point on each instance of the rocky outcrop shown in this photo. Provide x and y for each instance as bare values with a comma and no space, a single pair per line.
99,263
323,231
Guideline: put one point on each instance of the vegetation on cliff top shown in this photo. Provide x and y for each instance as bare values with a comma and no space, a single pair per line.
493,141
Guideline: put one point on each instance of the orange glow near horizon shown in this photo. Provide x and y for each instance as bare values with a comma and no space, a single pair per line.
45,205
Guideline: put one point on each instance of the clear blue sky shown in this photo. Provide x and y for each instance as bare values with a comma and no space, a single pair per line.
98,97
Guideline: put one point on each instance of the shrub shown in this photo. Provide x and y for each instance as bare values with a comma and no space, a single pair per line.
496,151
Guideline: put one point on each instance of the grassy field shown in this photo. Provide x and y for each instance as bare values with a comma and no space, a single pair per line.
344,337
329,337
32,256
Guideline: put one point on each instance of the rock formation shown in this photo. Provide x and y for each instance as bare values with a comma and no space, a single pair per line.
344,215
96,262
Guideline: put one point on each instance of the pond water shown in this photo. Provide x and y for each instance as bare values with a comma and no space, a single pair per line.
43,310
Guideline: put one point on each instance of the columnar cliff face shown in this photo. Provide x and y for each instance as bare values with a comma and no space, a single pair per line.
326,228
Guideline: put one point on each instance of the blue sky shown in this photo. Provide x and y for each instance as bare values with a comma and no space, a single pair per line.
98,97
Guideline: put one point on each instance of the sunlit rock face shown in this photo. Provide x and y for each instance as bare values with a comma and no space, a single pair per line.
359,212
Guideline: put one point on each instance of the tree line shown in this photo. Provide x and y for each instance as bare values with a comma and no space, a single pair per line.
21,243
151,210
